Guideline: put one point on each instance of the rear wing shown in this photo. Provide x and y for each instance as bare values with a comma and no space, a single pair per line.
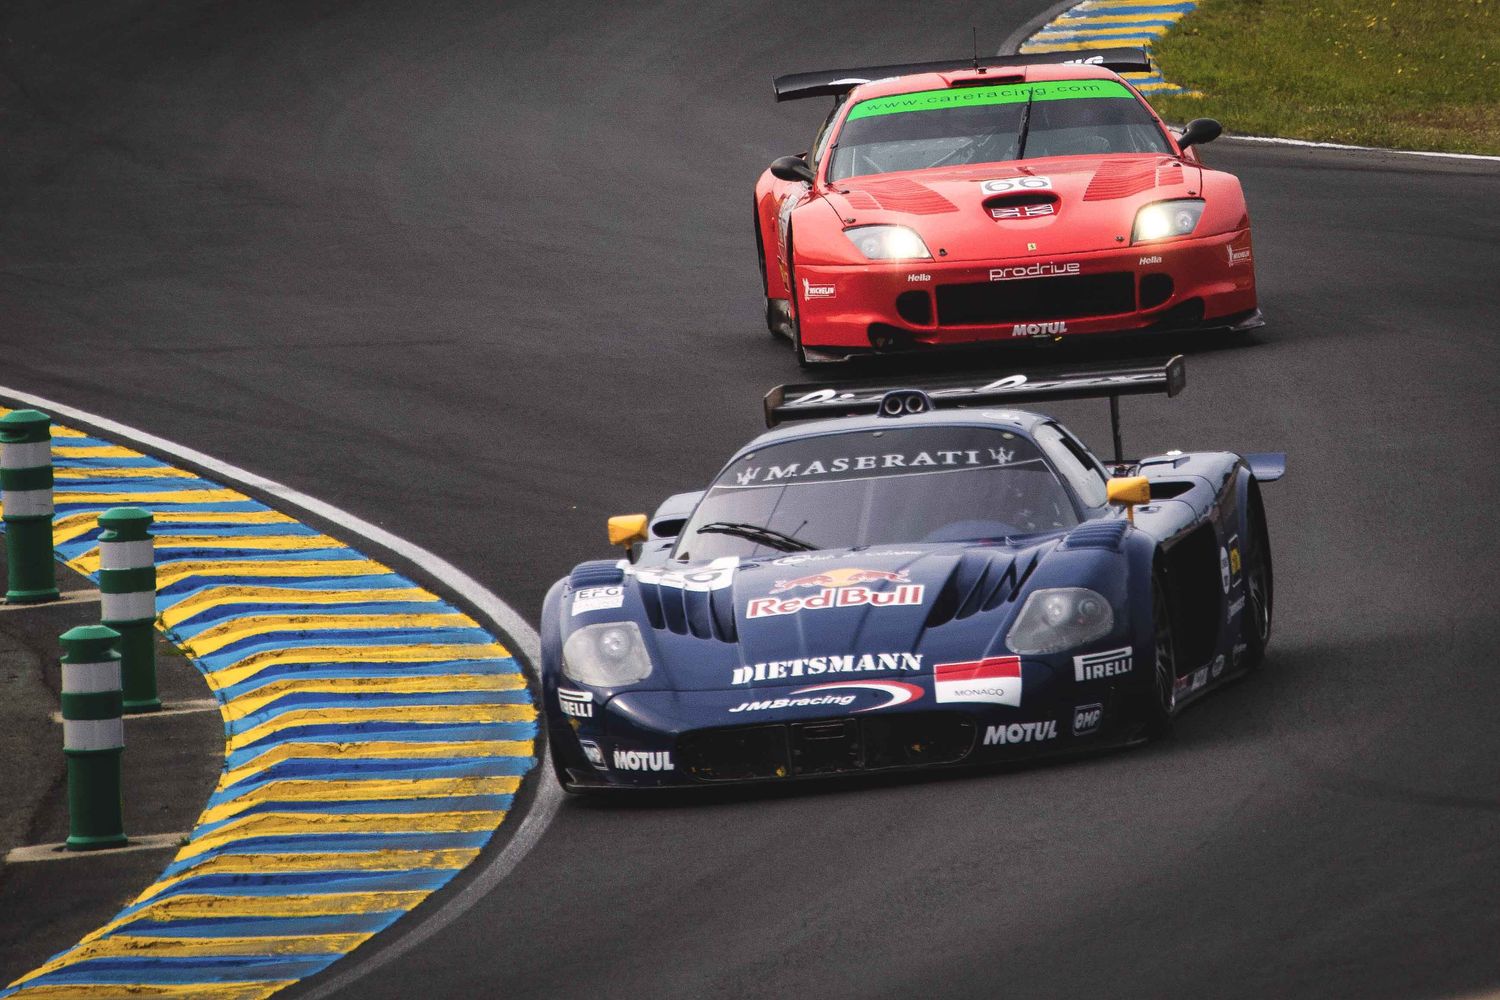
832,82
814,402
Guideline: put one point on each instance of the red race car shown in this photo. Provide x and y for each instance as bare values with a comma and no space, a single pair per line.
1034,196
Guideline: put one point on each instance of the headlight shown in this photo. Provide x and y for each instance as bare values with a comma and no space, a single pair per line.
609,655
888,243
1055,620
1162,219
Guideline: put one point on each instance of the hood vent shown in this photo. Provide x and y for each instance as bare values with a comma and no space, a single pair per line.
1096,535
705,614
978,583
899,194
599,573
1121,179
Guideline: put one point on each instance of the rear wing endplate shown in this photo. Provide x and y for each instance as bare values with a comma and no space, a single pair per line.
832,82
813,402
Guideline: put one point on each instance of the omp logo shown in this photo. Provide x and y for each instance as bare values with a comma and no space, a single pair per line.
643,760
1086,719
1038,270
1038,329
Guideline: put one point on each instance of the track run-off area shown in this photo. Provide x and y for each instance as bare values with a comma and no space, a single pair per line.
482,275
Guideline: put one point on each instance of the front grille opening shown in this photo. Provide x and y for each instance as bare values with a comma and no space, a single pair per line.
1155,289
1074,296
827,746
915,308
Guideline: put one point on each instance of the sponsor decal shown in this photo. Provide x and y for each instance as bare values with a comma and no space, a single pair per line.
597,599
1086,719
1006,93
1020,732
843,596
1200,678
956,458
715,576
1093,666
1224,576
593,753
578,704
919,277
995,679
1181,685
643,760
1238,256
1218,667
1102,382
1022,211
1236,607
1008,184
812,291
808,557
895,692
814,666
1038,329
1041,269
1031,247
1234,555
848,576
1144,261
1239,652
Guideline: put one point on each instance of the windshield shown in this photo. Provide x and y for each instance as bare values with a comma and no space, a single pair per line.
964,125
919,484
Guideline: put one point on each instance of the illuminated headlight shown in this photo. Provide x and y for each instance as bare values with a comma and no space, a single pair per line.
1055,620
608,655
888,243
1163,219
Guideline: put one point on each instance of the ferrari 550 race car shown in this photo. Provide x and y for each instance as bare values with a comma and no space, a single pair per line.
925,578
1037,196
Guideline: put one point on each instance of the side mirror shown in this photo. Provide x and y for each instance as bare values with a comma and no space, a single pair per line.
792,168
1127,491
627,529
1199,131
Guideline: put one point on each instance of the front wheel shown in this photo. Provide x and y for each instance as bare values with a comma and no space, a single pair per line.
1163,699
1258,586
793,311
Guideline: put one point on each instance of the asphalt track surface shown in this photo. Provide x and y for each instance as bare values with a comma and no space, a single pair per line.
483,274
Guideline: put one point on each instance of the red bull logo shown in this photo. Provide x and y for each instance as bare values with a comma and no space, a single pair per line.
838,588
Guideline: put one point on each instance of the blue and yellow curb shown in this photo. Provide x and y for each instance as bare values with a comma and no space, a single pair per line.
375,736
1108,24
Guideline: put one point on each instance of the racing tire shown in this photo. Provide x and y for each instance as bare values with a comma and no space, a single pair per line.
792,310
1162,700
1259,590
774,321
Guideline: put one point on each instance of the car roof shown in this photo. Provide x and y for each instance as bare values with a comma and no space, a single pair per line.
1039,73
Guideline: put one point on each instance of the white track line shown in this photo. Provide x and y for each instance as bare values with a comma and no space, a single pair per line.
1271,141
548,794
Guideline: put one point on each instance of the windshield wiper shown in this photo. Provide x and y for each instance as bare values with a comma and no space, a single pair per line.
1025,125
760,535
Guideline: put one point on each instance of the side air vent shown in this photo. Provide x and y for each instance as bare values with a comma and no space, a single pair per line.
1096,535
599,573
979,583
706,614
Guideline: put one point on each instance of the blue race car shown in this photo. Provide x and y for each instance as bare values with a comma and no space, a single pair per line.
918,577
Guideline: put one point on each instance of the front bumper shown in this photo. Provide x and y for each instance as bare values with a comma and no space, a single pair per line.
657,739
1203,283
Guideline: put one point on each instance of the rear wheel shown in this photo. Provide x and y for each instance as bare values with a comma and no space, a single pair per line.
1164,665
1259,589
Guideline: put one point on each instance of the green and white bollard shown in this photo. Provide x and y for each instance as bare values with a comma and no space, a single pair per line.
127,595
26,485
93,737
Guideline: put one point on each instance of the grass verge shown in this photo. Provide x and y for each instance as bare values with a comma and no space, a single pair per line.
1410,74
